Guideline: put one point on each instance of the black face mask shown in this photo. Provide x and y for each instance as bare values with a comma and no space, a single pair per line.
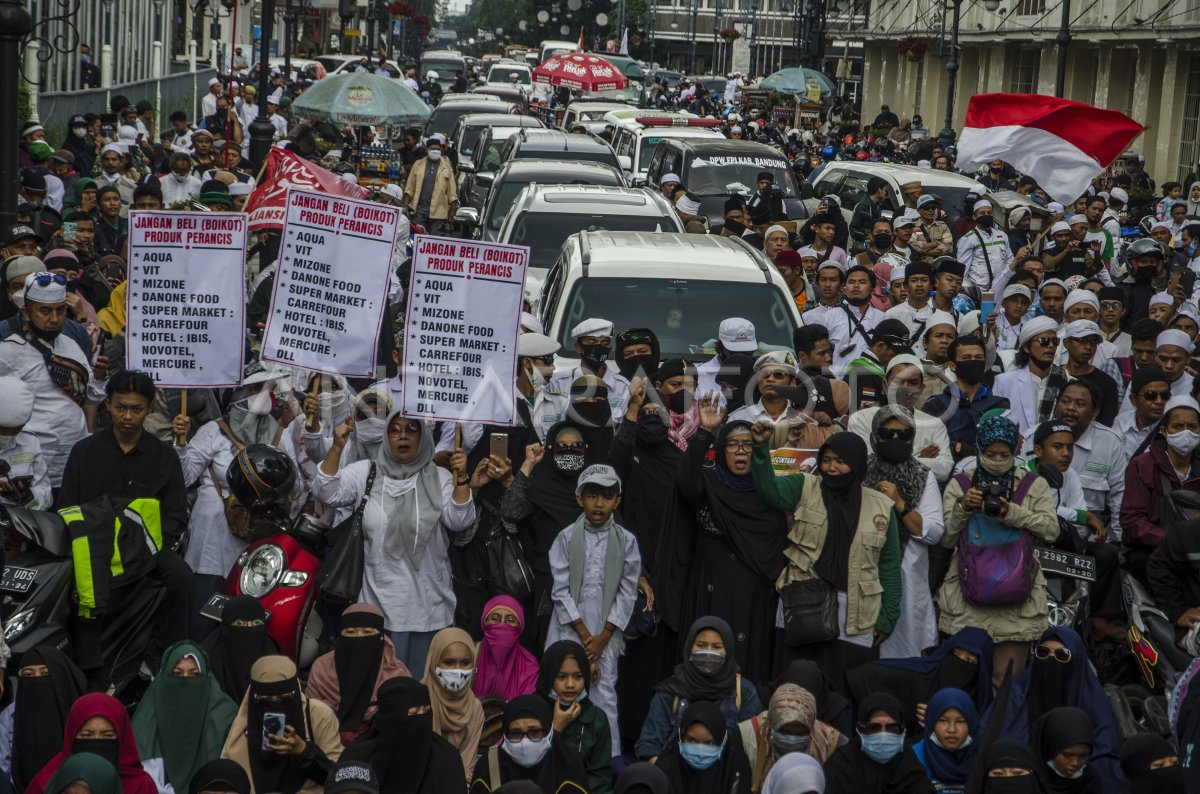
590,414
678,402
646,361
985,222
957,673
1011,785
970,372
651,431
595,355
839,483
108,749
894,450
882,241
1144,275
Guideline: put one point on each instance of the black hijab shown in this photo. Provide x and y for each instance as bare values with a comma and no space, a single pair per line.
402,748
233,650
560,765
552,488
832,708
851,769
731,772
1059,729
688,683
269,770
1136,756
736,371
1010,754
40,713
642,778
221,774
356,660
552,662
842,496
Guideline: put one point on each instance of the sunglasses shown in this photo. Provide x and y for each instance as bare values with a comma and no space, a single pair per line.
1155,396
543,359
872,728
1062,655
533,734
578,448
890,433
46,279
1047,341
1111,305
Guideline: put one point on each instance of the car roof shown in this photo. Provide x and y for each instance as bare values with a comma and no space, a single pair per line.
728,147
482,107
557,140
591,199
456,98
909,173
704,257
498,120
671,132
554,169
435,54
597,105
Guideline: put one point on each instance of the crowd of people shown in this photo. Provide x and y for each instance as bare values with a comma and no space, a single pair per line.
784,570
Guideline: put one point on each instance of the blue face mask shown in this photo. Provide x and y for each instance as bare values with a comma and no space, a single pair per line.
582,696
786,743
1075,776
881,747
699,756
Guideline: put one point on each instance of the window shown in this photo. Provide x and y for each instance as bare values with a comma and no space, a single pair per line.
1189,138
1025,71
1029,7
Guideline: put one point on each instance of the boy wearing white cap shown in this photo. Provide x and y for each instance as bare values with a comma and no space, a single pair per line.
593,345
23,479
984,249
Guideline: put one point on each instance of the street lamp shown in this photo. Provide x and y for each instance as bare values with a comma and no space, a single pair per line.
692,63
289,27
716,34
946,136
15,24
1063,38
262,131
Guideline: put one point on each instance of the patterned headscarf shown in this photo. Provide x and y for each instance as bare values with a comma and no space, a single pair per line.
996,428
791,703
910,476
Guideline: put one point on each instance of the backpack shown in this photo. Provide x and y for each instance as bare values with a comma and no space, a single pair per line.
996,564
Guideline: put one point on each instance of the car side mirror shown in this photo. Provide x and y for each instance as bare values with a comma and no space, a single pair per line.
640,181
467,215
465,167
806,190
485,179
625,161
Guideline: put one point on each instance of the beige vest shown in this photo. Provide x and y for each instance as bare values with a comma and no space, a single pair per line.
864,592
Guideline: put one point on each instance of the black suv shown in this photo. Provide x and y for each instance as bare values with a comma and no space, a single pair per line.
531,144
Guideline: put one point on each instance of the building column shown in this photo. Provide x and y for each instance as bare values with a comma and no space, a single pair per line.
1163,159
1103,76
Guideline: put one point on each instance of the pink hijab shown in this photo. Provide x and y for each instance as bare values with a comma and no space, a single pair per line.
505,669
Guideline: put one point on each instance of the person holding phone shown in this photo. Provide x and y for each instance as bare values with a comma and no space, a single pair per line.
23,479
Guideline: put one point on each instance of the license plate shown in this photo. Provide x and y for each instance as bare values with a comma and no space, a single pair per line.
1065,563
17,580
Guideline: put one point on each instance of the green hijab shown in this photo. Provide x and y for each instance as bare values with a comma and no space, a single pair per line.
183,721
98,773
74,199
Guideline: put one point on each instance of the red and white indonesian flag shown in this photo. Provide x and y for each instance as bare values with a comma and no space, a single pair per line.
1060,143
267,205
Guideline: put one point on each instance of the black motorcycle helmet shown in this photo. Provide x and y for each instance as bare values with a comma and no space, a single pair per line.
261,476
1145,247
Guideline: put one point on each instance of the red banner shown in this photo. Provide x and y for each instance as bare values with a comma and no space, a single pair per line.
266,205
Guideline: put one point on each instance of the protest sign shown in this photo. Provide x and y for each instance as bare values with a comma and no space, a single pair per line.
331,284
464,313
286,170
186,297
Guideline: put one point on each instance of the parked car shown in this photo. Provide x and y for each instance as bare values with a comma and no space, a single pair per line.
479,171
469,129
589,114
445,115
559,145
637,138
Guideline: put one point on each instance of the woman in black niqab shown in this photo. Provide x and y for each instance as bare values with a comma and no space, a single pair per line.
40,710
240,642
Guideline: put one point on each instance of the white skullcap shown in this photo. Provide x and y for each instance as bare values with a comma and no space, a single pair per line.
213,81
535,344
1074,219
1161,299
50,293
669,178
897,274
1055,207
240,189
902,359
924,164
1036,327
1081,329
1077,296
349,177
1187,309
939,318
1173,336
531,324
1052,281
1016,289
1061,226
1161,225
981,205
809,252
1181,401
591,327
1119,194
772,230
114,147
16,402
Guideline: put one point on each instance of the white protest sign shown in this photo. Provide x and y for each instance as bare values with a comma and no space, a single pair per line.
331,284
185,303
464,315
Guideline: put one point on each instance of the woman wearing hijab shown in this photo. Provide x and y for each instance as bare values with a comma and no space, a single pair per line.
530,751
836,519
99,724
48,682
789,726
947,748
795,773
457,712
832,708
247,420
963,661
705,757
82,196
876,761
565,680
413,507
240,642
369,409
1193,201
708,672
1151,765
506,668
1009,767
1029,508
724,549
402,747
1061,675
221,775
1063,741
285,742
97,774
642,778
917,501
183,718
347,678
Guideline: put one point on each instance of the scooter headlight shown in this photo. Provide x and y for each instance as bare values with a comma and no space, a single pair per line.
262,571
16,625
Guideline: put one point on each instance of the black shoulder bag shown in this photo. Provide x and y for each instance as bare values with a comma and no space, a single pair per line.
341,574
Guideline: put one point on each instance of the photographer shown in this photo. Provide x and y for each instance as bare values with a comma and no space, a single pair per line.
23,479
995,502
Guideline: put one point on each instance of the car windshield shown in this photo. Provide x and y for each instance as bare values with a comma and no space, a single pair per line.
503,74
470,137
443,118
592,115
672,78
684,314
545,232
722,174
445,69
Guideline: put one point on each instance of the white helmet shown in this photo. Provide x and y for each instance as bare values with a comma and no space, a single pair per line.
893,260
431,75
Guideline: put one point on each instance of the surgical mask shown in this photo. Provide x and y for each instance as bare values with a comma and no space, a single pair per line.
883,746
1078,774
595,355
536,379
6,441
966,742
985,222
566,461
434,154
108,749
79,132
882,241
85,58
260,404
371,430
699,756
785,743
996,467
331,401
582,696
970,372
180,178
1183,442
454,680
707,662
528,752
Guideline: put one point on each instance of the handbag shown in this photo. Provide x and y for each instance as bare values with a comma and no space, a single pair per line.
341,574
507,570
810,612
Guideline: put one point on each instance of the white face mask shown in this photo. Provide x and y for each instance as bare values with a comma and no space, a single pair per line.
370,431
1183,442
260,404
527,752
79,132
6,441
536,379
453,680
332,401
434,154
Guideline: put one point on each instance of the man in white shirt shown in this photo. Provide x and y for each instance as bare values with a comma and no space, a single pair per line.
208,105
915,311
1025,388
179,184
593,345
850,324
1149,392
736,335
984,249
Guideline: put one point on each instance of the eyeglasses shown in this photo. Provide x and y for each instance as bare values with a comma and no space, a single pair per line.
1062,655
1111,305
1156,396
872,728
739,446
533,734
46,279
1047,341
577,448
889,433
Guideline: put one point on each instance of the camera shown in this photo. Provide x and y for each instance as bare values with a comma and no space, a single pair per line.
994,489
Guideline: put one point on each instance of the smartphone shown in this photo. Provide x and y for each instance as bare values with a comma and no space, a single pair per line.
68,232
499,446
985,309
273,723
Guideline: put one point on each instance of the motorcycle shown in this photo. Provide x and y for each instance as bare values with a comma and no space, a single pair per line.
280,571
37,599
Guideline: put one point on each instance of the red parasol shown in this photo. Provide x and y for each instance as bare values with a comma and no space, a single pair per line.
581,72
